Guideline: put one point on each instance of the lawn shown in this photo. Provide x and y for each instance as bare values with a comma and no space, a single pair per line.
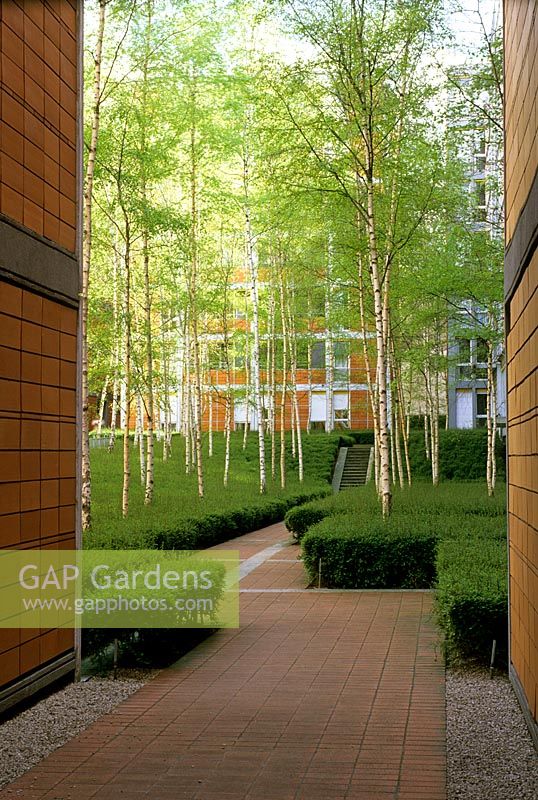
176,502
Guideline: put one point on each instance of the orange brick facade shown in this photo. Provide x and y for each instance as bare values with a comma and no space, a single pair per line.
521,285
39,284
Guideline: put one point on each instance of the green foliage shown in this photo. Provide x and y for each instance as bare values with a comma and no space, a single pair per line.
360,502
362,437
472,594
179,519
366,553
144,647
462,455
471,563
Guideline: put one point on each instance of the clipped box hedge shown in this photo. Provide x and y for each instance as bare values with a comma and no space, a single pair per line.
367,553
469,570
197,533
472,595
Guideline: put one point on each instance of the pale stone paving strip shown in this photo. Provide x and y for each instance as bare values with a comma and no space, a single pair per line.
318,696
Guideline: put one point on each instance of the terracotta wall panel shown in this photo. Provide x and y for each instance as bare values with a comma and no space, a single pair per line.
37,448
38,107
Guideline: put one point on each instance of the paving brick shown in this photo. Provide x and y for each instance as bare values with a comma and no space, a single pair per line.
329,695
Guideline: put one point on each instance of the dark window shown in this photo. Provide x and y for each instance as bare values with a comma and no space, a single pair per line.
481,351
318,355
464,350
481,404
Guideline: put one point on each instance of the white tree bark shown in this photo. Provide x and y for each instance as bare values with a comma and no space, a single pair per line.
252,261
86,489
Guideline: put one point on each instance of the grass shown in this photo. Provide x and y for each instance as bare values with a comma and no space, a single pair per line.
175,495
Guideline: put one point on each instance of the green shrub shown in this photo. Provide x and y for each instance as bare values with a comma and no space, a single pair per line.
140,647
472,597
367,553
195,533
365,436
360,501
462,455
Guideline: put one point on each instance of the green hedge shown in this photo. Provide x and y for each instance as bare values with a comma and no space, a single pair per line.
198,532
472,596
365,553
462,455
471,568
365,436
359,501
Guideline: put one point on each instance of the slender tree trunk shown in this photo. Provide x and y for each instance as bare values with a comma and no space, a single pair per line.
167,444
127,366
329,350
186,409
283,388
292,339
272,381
491,422
247,384
101,411
384,449
309,369
193,291
210,423
86,490
252,260
140,437
427,433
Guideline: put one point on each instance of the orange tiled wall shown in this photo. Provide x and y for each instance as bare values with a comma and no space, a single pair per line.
37,439
521,90
38,115
522,353
521,87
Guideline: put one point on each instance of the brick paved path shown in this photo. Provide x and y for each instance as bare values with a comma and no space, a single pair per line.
319,695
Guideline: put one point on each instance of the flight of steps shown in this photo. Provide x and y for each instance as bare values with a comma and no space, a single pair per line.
356,466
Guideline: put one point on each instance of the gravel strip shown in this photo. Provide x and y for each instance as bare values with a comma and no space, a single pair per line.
32,734
490,752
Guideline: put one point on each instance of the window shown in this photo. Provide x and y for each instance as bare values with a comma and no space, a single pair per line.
481,409
480,196
318,355
216,355
341,361
481,351
480,156
464,350
341,410
302,353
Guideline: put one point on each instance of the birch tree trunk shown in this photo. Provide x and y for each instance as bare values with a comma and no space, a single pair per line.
329,351
491,422
292,339
140,437
381,371
86,489
272,382
101,410
127,366
283,389
252,260
193,293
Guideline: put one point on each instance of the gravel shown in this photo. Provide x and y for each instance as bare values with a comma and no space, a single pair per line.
490,751
43,727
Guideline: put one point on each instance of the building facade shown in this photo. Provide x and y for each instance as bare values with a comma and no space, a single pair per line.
521,297
39,288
